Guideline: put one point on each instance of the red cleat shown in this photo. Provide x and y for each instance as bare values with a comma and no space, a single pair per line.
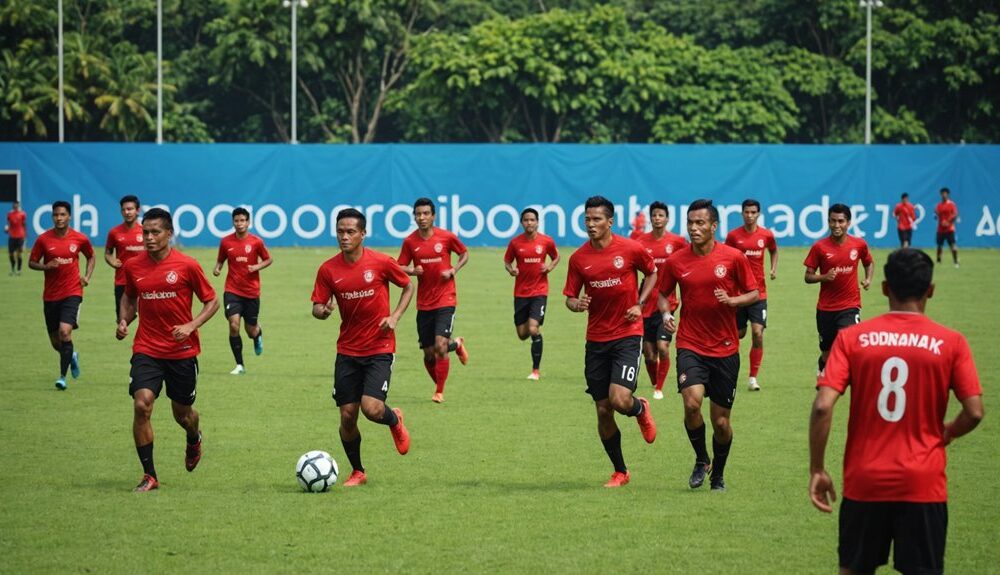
148,483
400,436
438,398
646,423
356,478
192,455
460,351
618,479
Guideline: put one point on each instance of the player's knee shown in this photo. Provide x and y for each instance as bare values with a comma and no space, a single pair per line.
522,334
441,350
720,424
692,407
373,410
142,408
533,330
65,334
743,333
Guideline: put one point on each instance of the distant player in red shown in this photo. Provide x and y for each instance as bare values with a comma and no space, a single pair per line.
753,241
606,267
357,279
525,260
57,253
714,280
124,243
946,213
832,262
906,217
638,225
16,229
659,244
246,255
159,288
426,253
900,368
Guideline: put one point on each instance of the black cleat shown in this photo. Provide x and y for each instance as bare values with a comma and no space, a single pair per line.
718,484
698,475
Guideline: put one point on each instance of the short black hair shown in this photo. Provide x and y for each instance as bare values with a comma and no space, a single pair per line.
904,196
909,273
658,205
713,211
62,204
424,202
526,211
129,199
600,202
241,211
159,214
353,213
945,191
750,202
839,209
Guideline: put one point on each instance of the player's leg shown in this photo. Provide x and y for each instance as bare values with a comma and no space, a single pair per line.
233,308
692,376
251,324
425,339
145,381
758,323
939,240
521,317
597,372
662,362
724,373
650,354
377,375
826,326
536,318
444,319
119,292
919,531
181,377
865,536
954,248
348,388
20,255
11,251
625,355
69,314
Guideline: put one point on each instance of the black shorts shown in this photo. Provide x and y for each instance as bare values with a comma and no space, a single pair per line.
917,532
248,308
615,361
526,308
717,374
942,237
434,322
753,313
354,376
905,236
829,323
15,244
119,292
62,311
653,330
180,375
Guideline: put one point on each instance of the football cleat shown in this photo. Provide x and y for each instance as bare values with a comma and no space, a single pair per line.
460,351
61,384
238,370
618,479
718,484
356,478
657,394
698,475
438,398
258,344
148,483
534,375
192,454
400,435
645,419
752,385
74,365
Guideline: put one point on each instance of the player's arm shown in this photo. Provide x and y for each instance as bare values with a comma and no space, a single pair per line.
869,273
774,263
126,312
742,300
182,332
91,262
390,322
463,259
814,277
262,264
510,267
648,284
966,420
553,262
821,490
109,255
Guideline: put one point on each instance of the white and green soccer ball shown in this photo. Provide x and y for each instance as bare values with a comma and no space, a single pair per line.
316,471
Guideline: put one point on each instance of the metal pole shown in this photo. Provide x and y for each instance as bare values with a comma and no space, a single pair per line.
62,103
295,112
159,71
868,75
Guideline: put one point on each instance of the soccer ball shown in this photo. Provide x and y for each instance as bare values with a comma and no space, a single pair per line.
316,471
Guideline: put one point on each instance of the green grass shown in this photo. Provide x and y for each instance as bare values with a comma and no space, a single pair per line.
504,477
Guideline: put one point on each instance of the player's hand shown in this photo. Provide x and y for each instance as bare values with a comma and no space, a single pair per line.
583,303
183,331
866,283
51,264
122,331
418,270
84,281
829,276
216,272
633,313
723,297
670,323
513,272
448,273
252,269
821,491
117,263
388,323
545,269
774,275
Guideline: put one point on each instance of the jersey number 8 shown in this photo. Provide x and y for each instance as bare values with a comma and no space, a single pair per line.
893,387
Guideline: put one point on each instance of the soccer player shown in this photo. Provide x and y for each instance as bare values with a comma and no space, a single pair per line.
57,253
832,262
357,279
426,254
638,225
906,216
124,243
946,213
606,267
159,286
659,244
16,232
900,368
247,255
752,240
714,280
525,260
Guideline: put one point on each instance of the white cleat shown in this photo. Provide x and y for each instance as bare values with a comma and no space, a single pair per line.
534,375
238,370
752,385
657,394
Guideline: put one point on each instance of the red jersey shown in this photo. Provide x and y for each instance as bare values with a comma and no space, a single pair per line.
434,255
660,250
946,212
707,326
843,292
609,277
63,281
16,224
164,289
530,256
905,215
126,243
900,367
362,292
753,244
240,254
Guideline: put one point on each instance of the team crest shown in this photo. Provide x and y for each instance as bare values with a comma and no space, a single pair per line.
670,249
720,271
247,248
138,237
72,248
369,276
538,250
438,247
619,262
171,277
760,243
682,378
854,255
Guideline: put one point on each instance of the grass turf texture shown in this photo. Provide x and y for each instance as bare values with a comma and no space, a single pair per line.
504,476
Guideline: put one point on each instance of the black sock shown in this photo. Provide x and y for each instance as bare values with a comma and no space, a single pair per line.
613,447
192,439
536,351
65,356
636,408
11,262
236,344
720,453
18,263
260,332
452,345
697,439
145,453
389,417
954,256
353,450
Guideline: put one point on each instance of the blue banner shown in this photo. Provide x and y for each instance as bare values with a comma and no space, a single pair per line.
295,192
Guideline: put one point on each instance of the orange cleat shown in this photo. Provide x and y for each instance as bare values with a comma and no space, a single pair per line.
192,455
148,483
618,479
646,423
400,436
356,478
460,351
438,398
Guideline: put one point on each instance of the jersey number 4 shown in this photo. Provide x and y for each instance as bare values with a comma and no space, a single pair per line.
895,372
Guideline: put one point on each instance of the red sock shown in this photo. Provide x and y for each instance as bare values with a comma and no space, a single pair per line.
651,370
429,366
661,372
756,355
441,373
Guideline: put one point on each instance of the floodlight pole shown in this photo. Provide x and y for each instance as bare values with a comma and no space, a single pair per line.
868,5
294,4
62,103
159,71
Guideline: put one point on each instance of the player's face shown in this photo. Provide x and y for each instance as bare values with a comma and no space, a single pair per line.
60,218
944,196
598,223
424,216
130,212
659,219
838,224
750,215
241,224
349,234
17,206
530,223
156,236
701,228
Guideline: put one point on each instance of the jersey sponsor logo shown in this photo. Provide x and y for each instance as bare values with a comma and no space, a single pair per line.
720,271
659,261
619,262
854,255
430,260
369,276
753,253
357,294
242,259
538,250
893,339
843,269
158,294
610,282
72,248
135,248
438,247
532,260
171,277
63,261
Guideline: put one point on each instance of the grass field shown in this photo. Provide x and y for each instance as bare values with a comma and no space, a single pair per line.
504,477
